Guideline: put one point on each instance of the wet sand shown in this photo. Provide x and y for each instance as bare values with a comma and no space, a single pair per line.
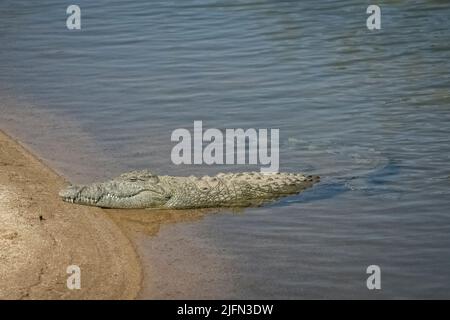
172,245
40,236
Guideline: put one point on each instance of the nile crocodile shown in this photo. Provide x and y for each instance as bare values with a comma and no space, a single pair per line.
143,189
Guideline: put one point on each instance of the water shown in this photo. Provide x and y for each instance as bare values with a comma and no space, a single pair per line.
368,111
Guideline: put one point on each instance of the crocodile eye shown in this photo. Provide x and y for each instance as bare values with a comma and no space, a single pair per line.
152,179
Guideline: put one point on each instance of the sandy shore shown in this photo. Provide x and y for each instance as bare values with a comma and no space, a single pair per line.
40,236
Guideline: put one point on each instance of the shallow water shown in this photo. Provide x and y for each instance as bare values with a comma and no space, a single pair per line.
368,111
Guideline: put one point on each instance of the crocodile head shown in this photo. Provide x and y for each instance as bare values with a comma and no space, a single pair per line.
137,189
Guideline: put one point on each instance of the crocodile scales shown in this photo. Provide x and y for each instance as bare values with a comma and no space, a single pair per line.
143,189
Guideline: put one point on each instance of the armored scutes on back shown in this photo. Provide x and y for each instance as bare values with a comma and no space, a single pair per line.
142,189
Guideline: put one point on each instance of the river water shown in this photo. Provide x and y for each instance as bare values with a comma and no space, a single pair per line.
369,111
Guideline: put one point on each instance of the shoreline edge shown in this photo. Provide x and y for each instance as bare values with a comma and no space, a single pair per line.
41,236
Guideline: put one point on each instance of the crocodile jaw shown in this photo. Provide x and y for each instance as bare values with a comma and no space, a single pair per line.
106,196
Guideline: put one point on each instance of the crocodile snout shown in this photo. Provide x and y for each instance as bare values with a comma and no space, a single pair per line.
70,193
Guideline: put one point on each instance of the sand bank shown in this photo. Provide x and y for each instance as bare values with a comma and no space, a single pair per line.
40,236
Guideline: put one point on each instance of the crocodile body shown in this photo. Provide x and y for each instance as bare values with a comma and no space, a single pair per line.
143,189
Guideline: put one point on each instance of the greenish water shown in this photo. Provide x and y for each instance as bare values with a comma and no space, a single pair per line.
369,111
